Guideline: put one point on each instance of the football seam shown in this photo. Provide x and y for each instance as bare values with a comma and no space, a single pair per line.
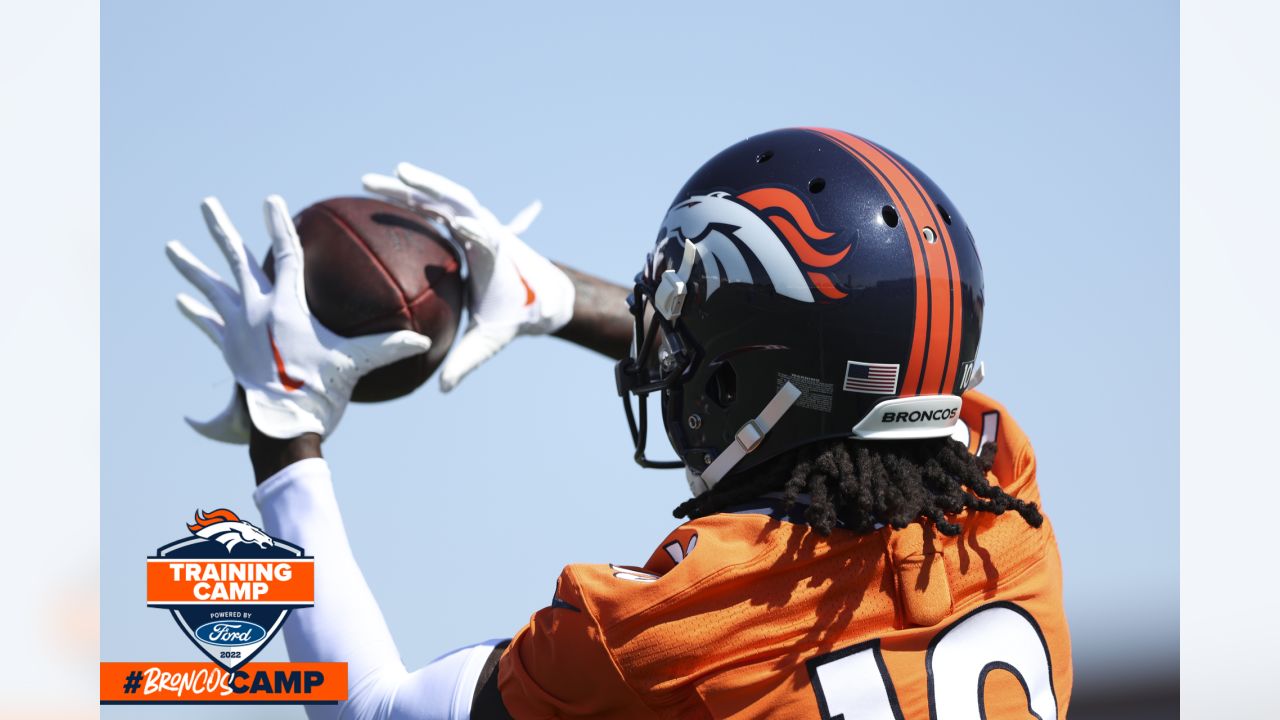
377,262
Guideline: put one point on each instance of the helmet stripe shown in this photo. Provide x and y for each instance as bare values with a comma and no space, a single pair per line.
952,352
944,290
934,356
951,355
920,339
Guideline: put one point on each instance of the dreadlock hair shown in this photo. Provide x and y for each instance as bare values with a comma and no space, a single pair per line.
859,483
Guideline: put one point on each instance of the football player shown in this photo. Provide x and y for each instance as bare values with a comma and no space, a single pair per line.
864,537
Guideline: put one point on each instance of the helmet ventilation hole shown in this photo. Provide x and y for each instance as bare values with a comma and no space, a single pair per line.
946,216
930,236
764,156
889,215
816,185
722,386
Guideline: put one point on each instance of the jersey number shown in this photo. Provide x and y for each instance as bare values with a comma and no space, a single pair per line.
854,683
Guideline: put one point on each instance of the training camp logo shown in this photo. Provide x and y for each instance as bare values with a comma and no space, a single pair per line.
230,587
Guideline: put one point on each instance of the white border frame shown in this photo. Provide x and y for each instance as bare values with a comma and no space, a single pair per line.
49,356
1229,331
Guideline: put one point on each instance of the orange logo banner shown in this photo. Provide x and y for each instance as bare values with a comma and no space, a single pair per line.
275,581
172,683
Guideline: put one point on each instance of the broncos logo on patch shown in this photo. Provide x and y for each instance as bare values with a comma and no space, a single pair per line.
226,527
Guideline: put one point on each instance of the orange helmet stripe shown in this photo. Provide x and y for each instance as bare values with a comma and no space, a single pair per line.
931,368
858,149
952,352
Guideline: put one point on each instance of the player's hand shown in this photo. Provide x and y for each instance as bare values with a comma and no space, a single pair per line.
512,290
297,376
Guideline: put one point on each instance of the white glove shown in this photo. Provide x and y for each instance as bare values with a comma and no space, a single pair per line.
512,290
296,374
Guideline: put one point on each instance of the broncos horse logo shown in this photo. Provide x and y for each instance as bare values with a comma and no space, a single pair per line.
226,527
718,227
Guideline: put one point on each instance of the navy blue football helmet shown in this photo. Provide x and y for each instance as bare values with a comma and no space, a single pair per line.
806,284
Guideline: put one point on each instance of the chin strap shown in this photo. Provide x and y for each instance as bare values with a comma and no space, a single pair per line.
746,440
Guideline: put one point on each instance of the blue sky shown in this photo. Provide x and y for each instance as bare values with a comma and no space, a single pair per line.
1053,126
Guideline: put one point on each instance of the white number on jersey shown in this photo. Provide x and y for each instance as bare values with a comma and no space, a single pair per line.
854,683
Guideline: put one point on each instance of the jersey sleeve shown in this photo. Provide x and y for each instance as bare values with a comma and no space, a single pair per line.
559,664
1014,467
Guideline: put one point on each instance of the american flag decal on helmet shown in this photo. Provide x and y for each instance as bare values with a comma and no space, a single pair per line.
871,378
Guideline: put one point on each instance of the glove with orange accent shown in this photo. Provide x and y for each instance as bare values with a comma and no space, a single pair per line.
297,376
512,290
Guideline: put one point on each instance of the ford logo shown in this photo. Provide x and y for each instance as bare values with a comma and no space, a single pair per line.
227,633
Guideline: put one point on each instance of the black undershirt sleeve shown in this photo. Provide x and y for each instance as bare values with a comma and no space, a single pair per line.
486,703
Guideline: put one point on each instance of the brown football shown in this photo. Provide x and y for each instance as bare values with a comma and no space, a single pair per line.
373,267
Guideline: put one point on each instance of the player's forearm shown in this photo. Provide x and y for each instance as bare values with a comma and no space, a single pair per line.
601,321
270,455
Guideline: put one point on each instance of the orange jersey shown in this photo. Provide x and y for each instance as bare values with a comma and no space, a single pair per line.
749,615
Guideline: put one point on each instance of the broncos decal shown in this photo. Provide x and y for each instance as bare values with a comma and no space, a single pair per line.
226,527
718,228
